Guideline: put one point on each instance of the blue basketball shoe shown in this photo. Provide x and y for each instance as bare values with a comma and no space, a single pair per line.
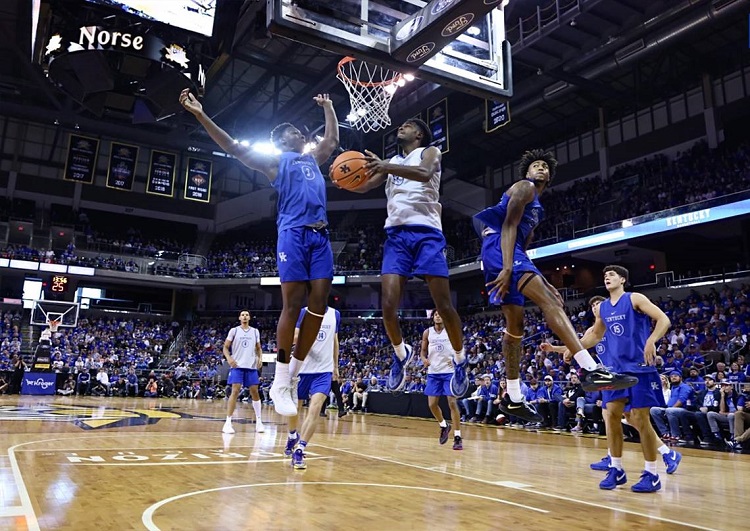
649,483
298,459
397,376
614,477
602,465
672,460
460,379
290,443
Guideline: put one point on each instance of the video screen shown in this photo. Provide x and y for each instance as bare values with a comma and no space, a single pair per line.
192,15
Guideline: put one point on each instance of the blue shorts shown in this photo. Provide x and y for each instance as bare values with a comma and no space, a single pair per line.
492,262
314,383
414,250
438,385
304,254
246,377
645,394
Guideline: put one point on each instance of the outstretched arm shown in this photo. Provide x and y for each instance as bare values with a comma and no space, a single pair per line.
429,165
331,135
266,164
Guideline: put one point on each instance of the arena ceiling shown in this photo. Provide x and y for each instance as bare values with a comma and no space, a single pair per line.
572,61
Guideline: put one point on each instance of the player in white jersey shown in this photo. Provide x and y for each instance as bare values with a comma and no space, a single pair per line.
436,356
415,245
318,370
244,355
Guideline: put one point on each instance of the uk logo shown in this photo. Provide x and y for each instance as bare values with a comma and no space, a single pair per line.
282,257
397,180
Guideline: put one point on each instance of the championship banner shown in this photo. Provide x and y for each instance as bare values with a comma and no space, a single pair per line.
390,144
198,180
122,161
496,115
161,173
81,162
437,120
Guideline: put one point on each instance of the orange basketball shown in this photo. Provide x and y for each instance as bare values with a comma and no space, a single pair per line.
348,170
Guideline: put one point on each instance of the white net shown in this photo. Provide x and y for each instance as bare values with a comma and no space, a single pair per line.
370,88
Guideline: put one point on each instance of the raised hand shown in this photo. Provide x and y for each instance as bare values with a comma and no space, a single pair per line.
323,100
190,102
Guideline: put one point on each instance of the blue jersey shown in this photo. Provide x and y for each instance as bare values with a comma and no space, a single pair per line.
601,351
626,335
494,217
302,192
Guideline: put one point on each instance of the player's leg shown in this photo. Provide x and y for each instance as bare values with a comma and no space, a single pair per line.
434,390
292,423
232,402
615,473
311,420
640,419
514,403
257,406
293,297
458,443
603,465
317,303
392,286
534,286
317,388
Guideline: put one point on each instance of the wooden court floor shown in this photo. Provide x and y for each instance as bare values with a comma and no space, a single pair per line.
116,464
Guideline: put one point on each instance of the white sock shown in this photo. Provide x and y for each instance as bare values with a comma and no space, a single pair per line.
664,449
585,360
460,356
609,454
294,366
400,351
229,420
616,463
457,433
443,424
514,390
256,408
282,374
651,467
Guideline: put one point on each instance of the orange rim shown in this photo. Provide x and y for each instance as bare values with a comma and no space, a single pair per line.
349,59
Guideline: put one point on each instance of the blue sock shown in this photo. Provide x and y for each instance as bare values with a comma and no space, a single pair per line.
303,444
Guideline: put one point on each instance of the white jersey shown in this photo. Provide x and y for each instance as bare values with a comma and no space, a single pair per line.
243,346
439,352
412,202
320,357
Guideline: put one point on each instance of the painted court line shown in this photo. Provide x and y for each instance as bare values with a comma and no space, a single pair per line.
202,463
148,515
508,484
18,510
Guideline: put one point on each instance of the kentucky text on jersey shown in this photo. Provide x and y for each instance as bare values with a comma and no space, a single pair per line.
627,331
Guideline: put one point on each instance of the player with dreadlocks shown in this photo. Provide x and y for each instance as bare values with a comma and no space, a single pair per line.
507,230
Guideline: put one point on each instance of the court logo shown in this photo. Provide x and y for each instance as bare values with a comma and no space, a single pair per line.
420,52
457,25
90,418
409,28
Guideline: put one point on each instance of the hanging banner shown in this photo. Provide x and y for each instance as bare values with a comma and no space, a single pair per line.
161,173
496,115
437,116
122,161
81,162
198,180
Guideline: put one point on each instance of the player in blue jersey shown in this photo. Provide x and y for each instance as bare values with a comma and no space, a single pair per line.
625,321
511,276
304,256
671,458
415,244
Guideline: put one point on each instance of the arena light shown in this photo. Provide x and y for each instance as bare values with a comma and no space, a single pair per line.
409,77
266,148
270,281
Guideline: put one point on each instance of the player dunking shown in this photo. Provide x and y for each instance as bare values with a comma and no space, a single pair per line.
303,250
436,356
625,320
671,458
414,243
511,276
319,369
244,355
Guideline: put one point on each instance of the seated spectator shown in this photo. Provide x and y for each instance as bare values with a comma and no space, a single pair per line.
152,389
549,399
84,383
675,414
725,416
742,418
568,405
359,395
707,401
468,404
69,387
103,378
131,383
488,392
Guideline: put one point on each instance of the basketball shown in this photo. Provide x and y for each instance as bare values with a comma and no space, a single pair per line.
348,170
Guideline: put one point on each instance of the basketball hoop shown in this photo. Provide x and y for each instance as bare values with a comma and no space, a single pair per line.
370,89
